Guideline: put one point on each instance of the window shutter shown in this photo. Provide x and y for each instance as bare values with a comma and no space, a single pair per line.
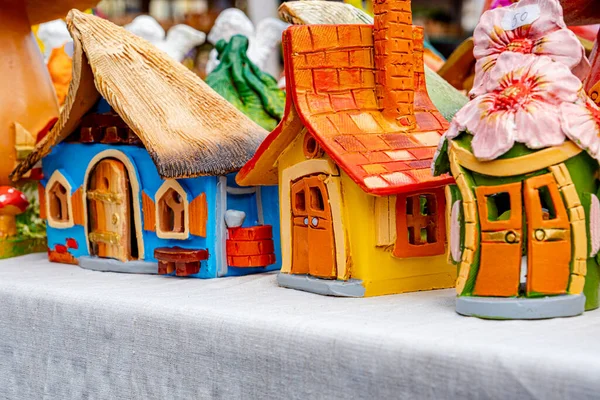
198,216
385,220
149,213
77,204
42,199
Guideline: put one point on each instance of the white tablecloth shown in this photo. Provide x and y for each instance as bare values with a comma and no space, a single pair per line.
69,333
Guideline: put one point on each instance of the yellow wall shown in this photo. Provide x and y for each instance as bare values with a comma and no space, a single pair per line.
375,266
293,155
380,272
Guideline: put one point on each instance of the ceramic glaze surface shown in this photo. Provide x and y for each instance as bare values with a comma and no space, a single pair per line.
359,207
525,156
139,168
74,169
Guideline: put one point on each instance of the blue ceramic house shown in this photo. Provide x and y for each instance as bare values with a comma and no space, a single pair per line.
139,171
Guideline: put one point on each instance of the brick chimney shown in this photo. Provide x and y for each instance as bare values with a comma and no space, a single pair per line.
421,99
394,59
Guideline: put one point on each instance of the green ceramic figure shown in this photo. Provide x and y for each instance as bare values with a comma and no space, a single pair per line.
244,85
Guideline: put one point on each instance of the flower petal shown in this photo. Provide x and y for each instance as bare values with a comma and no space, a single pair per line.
489,37
538,126
509,63
495,136
454,130
551,17
481,76
581,127
582,71
564,47
469,117
556,82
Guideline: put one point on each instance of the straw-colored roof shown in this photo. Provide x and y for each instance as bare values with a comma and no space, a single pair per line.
187,128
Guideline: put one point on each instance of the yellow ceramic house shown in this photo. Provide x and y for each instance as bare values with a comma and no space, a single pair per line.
361,214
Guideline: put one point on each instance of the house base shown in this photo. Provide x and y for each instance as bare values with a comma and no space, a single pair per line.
521,308
326,287
111,265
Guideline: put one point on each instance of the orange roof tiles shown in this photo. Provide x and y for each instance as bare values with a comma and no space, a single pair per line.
330,72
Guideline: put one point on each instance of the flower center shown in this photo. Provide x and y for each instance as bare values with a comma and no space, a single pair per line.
512,97
521,45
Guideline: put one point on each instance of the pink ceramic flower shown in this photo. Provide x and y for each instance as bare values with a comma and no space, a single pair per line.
521,105
581,123
540,30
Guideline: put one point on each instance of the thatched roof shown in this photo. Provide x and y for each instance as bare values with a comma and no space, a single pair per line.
187,128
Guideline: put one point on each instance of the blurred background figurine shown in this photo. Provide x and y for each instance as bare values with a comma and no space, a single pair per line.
263,39
177,42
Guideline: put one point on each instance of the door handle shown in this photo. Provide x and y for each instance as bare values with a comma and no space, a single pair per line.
114,198
111,238
549,235
506,236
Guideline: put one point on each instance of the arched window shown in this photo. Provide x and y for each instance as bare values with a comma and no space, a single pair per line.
59,209
172,211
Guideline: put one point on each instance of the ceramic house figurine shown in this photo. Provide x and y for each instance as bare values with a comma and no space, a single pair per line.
139,169
361,214
524,216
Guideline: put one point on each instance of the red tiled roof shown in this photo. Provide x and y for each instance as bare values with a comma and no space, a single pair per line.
330,73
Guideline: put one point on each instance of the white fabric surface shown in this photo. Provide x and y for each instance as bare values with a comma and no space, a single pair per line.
69,333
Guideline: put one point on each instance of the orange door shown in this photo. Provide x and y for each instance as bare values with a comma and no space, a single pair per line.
313,238
501,219
549,237
299,229
108,210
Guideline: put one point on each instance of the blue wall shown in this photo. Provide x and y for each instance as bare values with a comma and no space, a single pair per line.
72,159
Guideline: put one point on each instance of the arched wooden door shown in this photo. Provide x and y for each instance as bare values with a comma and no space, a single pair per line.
313,244
109,214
